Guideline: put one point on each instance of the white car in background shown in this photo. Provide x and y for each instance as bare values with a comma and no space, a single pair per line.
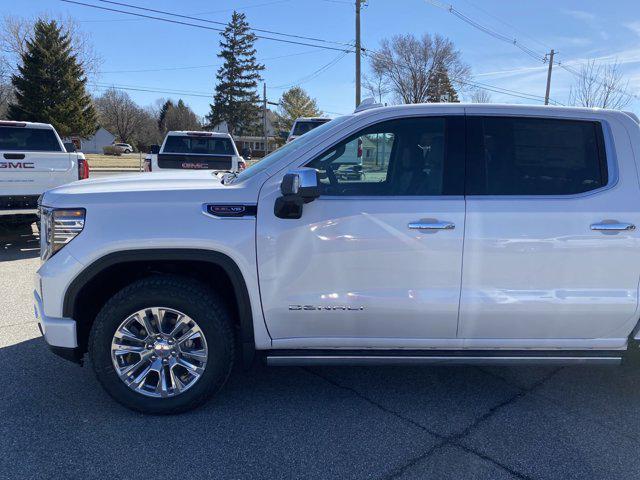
186,150
126,148
303,125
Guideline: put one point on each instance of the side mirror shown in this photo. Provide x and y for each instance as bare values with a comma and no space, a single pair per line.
70,147
154,149
298,187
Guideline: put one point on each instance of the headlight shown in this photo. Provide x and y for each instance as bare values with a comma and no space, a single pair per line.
58,226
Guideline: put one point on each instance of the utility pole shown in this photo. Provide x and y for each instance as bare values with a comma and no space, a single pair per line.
264,119
358,52
546,97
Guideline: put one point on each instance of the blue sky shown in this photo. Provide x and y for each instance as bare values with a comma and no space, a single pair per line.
577,29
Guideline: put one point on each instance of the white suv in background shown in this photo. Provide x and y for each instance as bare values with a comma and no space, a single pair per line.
167,280
199,150
33,159
125,147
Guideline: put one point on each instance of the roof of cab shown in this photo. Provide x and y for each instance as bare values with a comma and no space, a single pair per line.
20,123
186,133
495,108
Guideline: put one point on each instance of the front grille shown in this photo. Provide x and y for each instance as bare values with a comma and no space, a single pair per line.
18,202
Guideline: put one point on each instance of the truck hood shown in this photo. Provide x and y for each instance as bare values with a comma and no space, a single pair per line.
176,185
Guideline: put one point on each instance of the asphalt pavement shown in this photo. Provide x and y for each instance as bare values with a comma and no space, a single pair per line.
308,423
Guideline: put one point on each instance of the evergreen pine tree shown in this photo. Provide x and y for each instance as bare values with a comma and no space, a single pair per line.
295,103
439,87
166,106
236,100
50,84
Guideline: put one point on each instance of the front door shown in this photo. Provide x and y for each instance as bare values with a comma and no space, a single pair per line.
550,259
376,260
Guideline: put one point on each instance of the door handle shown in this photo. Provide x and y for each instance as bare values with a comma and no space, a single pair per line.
612,227
432,226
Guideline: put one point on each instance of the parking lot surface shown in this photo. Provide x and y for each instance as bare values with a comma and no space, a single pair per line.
315,423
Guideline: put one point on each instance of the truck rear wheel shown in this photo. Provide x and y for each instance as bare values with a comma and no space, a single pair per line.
162,345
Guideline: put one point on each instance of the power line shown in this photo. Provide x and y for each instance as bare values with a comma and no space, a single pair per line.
482,86
313,74
203,27
521,46
209,12
497,35
215,22
510,25
194,67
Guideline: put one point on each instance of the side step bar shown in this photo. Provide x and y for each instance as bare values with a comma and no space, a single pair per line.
288,358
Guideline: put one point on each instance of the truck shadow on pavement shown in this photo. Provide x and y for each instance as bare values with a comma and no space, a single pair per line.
18,242
395,422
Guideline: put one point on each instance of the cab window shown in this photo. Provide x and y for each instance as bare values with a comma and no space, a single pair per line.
534,156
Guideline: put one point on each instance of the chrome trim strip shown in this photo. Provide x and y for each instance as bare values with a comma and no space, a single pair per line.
612,226
21,211
373,360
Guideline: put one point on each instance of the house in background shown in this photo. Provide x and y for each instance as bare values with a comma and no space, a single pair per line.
255,143
94,144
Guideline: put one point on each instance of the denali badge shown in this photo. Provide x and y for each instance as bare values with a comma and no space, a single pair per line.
326,307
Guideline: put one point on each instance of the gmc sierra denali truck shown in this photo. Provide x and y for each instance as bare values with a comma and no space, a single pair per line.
478,234
32,159
195,151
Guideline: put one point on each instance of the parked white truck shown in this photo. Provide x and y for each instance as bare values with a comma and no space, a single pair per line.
32,159
198,150
166,280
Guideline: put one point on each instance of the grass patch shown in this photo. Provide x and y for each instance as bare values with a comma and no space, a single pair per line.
109,161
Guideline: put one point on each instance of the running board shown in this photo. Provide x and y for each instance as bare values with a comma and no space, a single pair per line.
276,360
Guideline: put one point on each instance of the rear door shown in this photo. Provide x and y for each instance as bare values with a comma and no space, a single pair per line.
32,160
551,258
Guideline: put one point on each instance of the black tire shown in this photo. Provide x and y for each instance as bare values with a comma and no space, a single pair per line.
185,295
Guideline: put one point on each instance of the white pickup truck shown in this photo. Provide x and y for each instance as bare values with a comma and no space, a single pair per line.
198,150
476,234
32,159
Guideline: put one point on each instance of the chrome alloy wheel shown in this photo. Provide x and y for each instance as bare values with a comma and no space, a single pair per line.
159,352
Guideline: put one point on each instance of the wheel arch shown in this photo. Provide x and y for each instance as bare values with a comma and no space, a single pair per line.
152,261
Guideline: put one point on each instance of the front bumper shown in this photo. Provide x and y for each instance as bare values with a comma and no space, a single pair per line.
57,332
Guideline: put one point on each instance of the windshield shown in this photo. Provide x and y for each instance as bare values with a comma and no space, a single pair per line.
303,126
287,149
199,145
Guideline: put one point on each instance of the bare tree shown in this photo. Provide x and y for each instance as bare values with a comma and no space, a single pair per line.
16,31
407,63
480,96
6,89
377,85
600,85
120,115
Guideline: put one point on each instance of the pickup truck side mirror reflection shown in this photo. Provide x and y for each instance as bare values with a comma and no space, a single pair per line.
298,187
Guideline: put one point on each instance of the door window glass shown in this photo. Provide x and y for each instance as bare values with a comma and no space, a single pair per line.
398,157
534,156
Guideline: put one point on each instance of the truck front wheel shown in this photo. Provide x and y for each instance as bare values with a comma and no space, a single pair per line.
162,345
